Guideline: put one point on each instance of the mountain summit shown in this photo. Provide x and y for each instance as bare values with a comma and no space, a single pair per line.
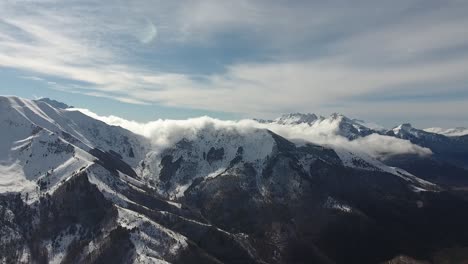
296,118
54,103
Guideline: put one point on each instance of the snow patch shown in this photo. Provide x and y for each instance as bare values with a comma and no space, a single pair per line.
151,240
331,203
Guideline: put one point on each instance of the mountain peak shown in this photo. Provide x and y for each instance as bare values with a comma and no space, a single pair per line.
336,115
405,127
296,118
341,117
53,103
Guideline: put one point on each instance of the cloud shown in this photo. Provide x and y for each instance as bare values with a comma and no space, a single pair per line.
380,146
33,78
312,54
164,133
325,132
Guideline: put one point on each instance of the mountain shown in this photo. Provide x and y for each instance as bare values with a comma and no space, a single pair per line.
296,118
448,149
407,131
54,103
451,132
339,124
38,139
447,166
77,190
350,128
369,125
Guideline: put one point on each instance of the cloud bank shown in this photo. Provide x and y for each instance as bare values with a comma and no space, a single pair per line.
165,133
450,132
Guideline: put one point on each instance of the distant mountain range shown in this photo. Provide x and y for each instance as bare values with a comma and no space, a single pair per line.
451,132
74,189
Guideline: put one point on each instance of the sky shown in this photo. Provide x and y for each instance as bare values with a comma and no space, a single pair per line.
387,62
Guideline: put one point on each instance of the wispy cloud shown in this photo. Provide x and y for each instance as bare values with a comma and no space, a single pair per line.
318,53
33,78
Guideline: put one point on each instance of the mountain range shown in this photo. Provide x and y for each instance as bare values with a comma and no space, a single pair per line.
297,189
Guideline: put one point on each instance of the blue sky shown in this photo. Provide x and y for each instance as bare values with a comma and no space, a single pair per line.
384,61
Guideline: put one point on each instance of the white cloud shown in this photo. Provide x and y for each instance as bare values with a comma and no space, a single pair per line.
367,49
33,78
164,133
325,133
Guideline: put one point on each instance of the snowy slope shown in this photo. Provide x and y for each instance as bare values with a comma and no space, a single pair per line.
363,161
41,146
370,125
407,131
296,118
154,243
217,193
449,149
221,152
88,131
208,155
45,145
337,124
44,149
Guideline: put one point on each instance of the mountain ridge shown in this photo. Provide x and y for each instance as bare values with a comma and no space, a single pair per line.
219,194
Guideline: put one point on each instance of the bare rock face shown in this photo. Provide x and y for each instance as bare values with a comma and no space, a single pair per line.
215,154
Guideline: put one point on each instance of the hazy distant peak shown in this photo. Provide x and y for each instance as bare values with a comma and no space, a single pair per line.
370,125
403,128
449,132
54,103
296,118
337,116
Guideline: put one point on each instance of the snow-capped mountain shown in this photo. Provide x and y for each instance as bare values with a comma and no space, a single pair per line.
408,131
39,141
77,190
211,153
336,123
449,149
350,128
446,165
369,125
296,118
54,103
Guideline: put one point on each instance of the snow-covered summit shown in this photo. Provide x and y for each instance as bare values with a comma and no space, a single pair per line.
54,103
42,145
296,118
407,131
405,128
350,128
336,123
371,125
